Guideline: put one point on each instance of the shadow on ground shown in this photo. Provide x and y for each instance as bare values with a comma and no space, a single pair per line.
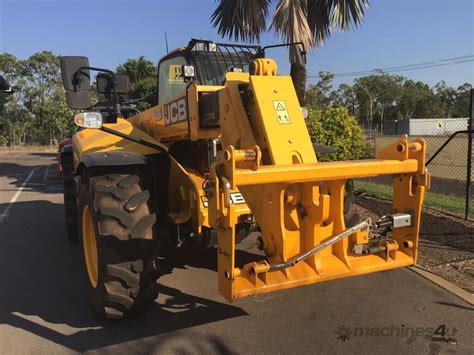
206,258
18,174
45,178
43,273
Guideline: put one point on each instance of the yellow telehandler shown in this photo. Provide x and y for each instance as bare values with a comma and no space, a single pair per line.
223,152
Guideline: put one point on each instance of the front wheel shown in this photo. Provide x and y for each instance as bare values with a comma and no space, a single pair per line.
120,253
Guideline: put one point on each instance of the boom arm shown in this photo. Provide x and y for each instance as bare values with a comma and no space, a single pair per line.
297,201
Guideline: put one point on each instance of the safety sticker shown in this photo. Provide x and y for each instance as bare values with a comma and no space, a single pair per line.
281,112
236,198
175,74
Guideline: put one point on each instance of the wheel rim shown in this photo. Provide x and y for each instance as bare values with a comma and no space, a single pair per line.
90,247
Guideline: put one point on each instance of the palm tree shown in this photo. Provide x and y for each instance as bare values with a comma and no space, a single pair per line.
137,70
307,21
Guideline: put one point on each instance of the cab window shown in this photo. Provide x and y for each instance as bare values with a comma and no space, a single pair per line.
170,79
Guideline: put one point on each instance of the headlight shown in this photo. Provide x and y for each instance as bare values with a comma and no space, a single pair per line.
199,46
188,71
212,47
89,120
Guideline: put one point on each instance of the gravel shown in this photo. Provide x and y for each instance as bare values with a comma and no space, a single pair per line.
446,246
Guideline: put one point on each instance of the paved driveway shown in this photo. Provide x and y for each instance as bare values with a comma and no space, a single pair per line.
43,309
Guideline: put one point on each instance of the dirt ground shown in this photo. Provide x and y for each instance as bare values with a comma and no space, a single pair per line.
446,242
29,148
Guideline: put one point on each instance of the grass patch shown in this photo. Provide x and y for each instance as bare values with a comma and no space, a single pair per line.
449,203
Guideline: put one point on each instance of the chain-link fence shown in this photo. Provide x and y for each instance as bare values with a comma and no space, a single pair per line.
451,171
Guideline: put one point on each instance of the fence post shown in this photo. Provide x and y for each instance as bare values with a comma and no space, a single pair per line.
469,156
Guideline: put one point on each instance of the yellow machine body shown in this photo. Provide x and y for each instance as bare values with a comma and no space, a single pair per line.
267,156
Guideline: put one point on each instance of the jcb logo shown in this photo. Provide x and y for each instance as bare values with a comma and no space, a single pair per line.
175,112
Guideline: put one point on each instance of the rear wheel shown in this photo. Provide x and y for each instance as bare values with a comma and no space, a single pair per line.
120,253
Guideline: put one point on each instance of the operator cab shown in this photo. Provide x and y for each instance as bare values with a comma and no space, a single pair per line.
201,62
204,63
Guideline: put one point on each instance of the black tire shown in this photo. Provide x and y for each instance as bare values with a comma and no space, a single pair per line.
126,250
70,201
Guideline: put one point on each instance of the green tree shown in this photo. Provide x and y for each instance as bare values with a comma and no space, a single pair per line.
308,21
32,113
9,67
142,77
447,97
462,102
417,100
375,93
390,90
345,97
318,96
336,128
18,121
366,90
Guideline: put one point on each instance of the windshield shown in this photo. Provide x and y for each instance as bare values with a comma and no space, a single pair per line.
171,81
211,62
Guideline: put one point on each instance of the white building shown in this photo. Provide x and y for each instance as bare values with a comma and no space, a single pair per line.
436,126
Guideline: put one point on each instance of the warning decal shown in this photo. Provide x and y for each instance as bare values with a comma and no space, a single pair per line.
175,74
281,112
235,197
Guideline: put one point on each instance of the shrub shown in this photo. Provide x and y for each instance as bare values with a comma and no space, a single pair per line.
336,128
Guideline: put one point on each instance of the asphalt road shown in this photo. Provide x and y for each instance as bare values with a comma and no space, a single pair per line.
43,308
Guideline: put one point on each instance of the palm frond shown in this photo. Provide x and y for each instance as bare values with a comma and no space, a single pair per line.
324,15
291,25
241,19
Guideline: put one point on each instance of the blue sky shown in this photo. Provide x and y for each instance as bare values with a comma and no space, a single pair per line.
395,32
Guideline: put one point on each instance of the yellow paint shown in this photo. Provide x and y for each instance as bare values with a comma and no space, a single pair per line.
186,197
284,143
89,245
264,67
297,201
269,158
152,122
92,140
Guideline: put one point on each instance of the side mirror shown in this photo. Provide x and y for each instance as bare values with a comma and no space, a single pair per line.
79,100
105,84
5,86
74,77
76,81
